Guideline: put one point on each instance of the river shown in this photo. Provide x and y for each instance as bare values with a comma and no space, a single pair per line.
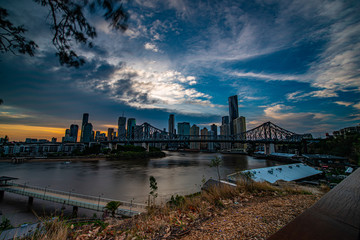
177,173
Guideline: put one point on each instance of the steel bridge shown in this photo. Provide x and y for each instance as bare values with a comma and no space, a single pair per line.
267,132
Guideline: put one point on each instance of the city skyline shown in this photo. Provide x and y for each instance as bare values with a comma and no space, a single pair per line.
292,63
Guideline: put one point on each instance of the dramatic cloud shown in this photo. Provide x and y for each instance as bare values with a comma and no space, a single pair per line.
288,61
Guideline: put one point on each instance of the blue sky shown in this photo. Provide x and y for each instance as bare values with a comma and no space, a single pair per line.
295,63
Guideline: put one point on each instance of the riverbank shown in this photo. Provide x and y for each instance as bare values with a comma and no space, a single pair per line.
68,159
249,211
59,159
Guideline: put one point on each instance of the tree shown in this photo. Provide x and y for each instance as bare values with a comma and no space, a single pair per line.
113,206
68,23
216,162
1,101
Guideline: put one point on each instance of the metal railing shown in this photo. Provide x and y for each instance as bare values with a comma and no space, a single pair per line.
68,198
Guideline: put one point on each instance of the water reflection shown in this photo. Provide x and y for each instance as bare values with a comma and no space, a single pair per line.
177,173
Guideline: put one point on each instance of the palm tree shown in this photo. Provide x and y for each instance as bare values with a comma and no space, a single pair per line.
113,206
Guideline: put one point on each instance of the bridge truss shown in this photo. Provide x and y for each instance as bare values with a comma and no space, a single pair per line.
267,132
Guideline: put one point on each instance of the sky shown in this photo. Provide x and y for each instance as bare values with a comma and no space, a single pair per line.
294,63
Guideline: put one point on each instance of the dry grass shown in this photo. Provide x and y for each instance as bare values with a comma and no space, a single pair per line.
51,230
181,217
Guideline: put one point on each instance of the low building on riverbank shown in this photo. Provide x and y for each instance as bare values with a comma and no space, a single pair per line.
290,172
323,159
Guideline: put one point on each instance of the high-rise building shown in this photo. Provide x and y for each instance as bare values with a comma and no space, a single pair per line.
67,136
239,130
239,126
194,134
131,128
85,120
204,136
224,132
225,120
211,136
184,128
122,127
74,129
213,128
171,124
110,134
88,133
233,111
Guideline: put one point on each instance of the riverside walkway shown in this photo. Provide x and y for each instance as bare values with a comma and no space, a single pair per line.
76,200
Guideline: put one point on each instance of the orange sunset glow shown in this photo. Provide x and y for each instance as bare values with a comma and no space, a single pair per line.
17,132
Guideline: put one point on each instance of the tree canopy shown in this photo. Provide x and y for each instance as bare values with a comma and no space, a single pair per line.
68,23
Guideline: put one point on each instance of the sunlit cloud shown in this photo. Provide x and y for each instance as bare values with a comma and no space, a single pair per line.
342,103
264,76
357,105
151,46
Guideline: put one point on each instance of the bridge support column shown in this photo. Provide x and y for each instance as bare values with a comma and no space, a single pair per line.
2,195
111,146
269,148
147,147
75,211
30,202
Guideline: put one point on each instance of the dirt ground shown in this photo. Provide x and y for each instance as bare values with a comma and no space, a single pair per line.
246,216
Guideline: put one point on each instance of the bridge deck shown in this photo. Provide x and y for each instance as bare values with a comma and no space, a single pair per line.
74,199
334,216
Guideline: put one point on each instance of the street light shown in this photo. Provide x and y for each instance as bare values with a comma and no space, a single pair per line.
99,201
45,190
24,187
70,195
131,204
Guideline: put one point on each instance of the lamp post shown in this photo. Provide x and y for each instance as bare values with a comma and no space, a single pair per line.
45,190
24,187
70,195
131,204
99,201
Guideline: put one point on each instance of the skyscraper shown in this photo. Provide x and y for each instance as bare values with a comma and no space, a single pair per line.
240,125
204,136
88,134
194,133
233,111
85,120
213,128
225,120
239,130
131,128
122,127
171,124
184,128
110,134
74,129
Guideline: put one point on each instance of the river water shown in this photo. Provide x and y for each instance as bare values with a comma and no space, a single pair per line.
177,173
